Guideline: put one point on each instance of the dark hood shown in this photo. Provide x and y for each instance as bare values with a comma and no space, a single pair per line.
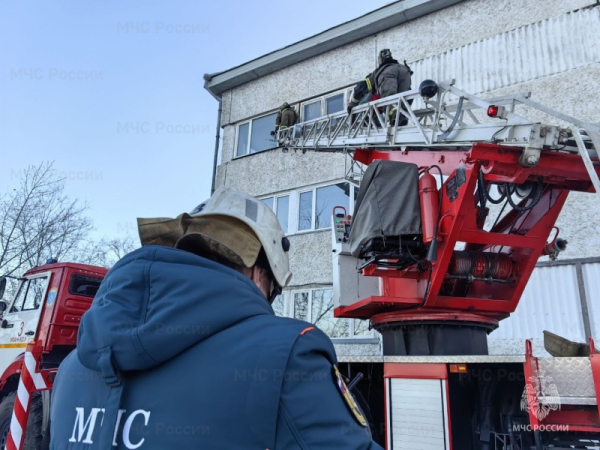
388,61
157,301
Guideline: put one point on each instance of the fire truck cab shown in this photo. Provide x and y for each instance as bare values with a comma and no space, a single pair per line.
44,311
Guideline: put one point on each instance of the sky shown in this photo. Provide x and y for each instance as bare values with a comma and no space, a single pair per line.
112,92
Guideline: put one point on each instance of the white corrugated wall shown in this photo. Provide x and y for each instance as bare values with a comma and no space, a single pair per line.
591,281
534,51
551,302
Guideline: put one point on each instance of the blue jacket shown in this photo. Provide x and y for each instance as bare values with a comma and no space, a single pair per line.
179,352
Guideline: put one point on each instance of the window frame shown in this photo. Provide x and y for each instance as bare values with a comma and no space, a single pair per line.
250,127
275,198
320,101
327,97
312,211
323,99
24,284
28,280
294,204
237,138
313,189
299,107
283,297
75,276
289,311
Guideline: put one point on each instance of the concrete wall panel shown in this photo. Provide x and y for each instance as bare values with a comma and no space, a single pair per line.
307,79
228,146
273,171
221,175
226,107
310,256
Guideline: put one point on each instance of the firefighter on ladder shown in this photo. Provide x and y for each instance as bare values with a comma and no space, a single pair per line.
390,78
181,348
286,117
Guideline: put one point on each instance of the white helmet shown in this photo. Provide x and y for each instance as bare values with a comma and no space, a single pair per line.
226,204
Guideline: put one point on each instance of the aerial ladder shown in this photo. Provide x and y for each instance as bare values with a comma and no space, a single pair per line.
452,120
503,170
486,153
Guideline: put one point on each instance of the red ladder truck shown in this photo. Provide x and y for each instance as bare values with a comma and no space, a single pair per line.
436,263
38,330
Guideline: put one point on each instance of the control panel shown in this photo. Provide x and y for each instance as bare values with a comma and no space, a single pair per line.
349,285
341,224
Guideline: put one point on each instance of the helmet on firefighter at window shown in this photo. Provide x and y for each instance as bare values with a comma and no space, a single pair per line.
428,89
284,106
384,54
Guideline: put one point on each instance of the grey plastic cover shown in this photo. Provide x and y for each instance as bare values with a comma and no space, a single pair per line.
387,205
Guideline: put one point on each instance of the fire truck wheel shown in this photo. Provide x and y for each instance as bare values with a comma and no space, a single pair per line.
6,410
33,435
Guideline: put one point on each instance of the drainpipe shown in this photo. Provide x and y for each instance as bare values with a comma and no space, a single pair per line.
217,137
207,78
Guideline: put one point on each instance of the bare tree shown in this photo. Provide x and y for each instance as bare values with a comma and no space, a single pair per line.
106,252
38,220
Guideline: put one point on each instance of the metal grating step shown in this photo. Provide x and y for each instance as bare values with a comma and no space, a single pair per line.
567,381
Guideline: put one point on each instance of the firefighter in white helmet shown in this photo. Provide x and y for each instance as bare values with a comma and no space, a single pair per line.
181,349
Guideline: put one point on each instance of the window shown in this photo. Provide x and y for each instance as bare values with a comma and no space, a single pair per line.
316,306
261,134
301,306
281,207
334,104
279,306
316,206
242,144
321,312
35,294
323,106
361,327
255,136
283,211
84,285
269,202
20,297
305,211
312,111
30,295
327,198
300,211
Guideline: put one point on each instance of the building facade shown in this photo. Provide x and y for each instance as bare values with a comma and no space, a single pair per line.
550,48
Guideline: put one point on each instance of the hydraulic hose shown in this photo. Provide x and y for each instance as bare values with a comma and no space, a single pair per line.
535,195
